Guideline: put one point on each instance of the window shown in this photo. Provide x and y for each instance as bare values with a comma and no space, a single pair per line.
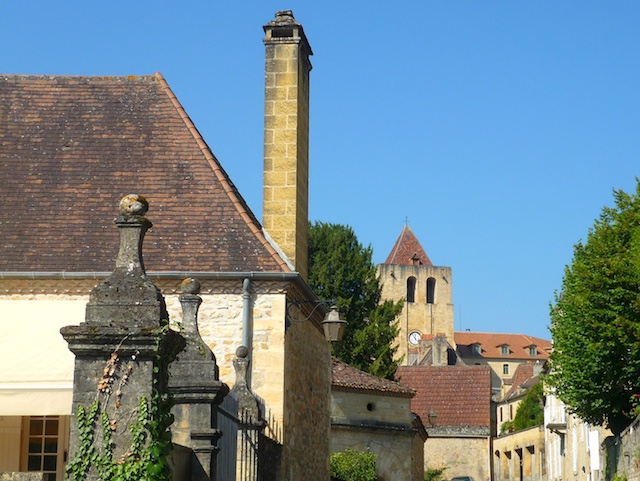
505,369
533,351
45,447
411,289
431,290
505,350
477,349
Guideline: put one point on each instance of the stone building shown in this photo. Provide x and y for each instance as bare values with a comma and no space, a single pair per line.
71,148
409,274
371,413
455,404
503,353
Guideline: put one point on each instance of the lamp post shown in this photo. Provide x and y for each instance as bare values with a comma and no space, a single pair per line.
332,324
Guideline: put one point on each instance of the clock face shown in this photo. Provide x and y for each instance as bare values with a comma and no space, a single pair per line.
414,338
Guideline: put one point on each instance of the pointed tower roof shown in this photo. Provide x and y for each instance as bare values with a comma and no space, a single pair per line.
408,251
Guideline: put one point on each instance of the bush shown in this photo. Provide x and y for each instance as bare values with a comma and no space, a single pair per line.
353,465
434,474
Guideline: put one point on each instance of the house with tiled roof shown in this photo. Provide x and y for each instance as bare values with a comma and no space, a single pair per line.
427,314
503,353
455,404
371,413
70,149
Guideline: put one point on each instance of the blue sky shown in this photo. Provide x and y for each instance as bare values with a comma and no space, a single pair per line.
498,129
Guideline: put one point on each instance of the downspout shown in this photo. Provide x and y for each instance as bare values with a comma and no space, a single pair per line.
247,325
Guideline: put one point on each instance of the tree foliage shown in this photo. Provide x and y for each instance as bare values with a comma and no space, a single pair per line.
595,320
341,268
351,465
529,413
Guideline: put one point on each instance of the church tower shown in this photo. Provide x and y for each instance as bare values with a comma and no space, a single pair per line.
426,322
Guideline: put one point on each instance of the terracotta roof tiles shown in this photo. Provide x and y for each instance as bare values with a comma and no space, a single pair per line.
71,147
491,345
408,251
348,378
459,395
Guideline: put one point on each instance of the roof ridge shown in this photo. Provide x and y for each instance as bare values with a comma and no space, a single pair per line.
223,178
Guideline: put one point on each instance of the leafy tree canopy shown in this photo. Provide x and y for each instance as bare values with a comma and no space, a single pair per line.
595,320
529,412
341,268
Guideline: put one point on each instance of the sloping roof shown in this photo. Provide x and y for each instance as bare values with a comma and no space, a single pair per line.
348,378
522,379
72,147
491,345
407,250
459,395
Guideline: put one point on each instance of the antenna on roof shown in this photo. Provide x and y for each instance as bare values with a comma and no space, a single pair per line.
406,220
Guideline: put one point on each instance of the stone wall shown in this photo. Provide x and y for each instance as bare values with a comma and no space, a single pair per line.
307,421
462,456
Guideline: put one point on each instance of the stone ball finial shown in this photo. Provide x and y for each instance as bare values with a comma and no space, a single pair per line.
242,352
133,204
190,286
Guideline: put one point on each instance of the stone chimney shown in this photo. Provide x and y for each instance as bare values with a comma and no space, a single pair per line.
286,138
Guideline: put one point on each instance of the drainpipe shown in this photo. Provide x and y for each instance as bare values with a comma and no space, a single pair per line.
247,325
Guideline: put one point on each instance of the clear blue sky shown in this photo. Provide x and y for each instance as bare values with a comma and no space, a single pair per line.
499,129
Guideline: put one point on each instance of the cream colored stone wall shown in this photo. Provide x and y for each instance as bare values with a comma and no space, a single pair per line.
355,406
395,448
462,456
520,456
307,421
431,319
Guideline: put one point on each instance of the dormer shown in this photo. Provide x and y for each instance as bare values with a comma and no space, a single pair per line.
533,350
504,349
477,349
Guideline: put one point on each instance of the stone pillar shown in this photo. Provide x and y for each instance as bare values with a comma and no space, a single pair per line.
251,422
122,351
196,391
286,138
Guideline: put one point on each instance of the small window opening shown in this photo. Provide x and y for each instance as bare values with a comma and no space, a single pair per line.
431,290
505,350
505,369
371,406
533,351
411,289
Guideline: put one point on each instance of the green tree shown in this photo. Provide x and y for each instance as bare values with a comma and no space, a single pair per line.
595,320
341,268
529,412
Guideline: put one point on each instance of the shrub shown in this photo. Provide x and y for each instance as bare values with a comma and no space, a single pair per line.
352,465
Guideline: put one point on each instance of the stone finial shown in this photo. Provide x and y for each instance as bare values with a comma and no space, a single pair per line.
133,204
128,296
190,286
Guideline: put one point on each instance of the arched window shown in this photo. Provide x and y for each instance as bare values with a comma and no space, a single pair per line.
411,289
431,290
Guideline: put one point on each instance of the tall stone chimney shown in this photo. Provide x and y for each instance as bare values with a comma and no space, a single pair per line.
286,138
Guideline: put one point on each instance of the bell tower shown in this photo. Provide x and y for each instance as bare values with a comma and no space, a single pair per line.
427,315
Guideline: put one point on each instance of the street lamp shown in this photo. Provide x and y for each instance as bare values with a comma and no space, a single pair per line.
332,324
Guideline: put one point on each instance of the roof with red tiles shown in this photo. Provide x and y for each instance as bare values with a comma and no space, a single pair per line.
72,147
408,251
348,378
522,379
491,345
459,395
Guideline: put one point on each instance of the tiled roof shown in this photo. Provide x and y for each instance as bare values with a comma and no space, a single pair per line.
72,147
407,250
491,345
348,378
459,395
522,379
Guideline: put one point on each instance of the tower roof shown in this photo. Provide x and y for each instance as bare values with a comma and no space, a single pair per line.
408,251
